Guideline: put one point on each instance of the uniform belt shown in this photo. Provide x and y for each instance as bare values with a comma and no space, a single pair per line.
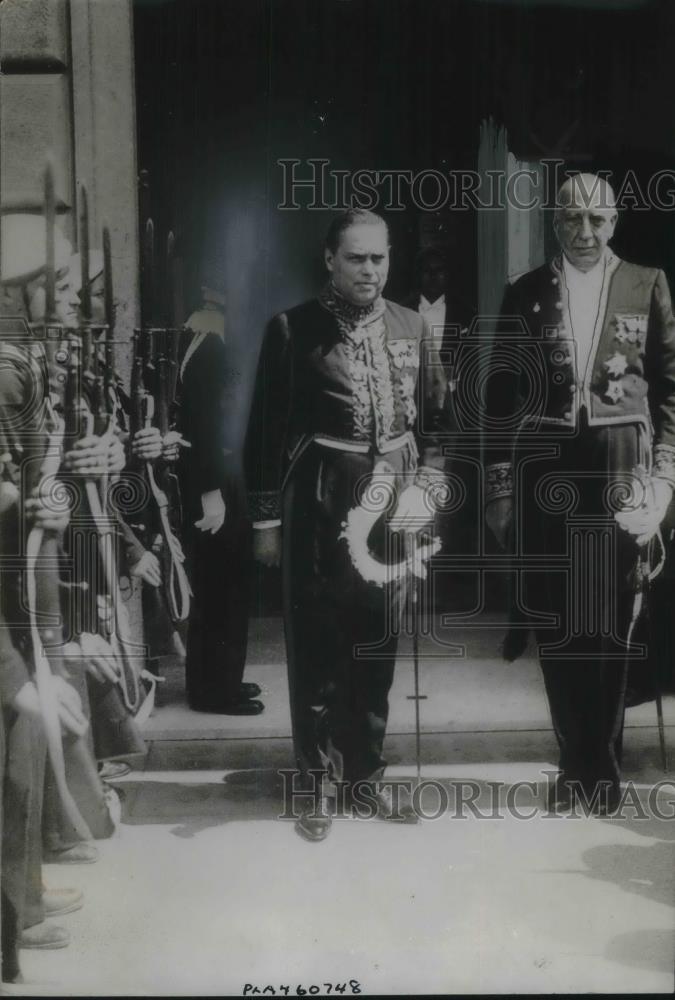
364,447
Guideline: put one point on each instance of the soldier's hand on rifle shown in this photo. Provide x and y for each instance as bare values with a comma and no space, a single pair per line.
148,569
171,445
93,654
146,444
116,458
267,546
414,510
48,507
213,511
99,658
499,517
643,522
95,456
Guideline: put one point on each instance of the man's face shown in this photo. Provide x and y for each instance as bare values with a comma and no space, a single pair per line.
583,232
66,299
360,265
433,278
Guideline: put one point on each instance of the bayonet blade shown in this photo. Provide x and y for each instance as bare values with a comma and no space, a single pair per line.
109,307
50,254
109,302
149,274
85,287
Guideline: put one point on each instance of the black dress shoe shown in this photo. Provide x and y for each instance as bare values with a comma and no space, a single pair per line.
243,707
248,689
599,798
315,821
395,805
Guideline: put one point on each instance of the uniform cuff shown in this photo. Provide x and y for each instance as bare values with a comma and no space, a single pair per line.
499,481
265,506
261,525
427,477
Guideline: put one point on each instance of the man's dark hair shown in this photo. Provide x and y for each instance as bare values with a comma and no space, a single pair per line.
352,217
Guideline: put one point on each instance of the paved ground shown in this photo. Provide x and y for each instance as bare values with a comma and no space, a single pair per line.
468,688
205,889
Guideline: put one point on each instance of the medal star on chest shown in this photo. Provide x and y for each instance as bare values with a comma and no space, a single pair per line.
616,365
614,392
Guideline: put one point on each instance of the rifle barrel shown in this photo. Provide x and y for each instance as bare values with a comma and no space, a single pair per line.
50,256
148,269
108,281
85,286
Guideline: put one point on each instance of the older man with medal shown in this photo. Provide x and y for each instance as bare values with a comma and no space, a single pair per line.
580,437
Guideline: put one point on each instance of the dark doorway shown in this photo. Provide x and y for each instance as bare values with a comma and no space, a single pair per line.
228,88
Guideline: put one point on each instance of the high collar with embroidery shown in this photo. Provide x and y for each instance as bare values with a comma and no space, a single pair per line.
348,315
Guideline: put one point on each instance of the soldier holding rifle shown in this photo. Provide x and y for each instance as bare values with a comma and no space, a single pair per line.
23,384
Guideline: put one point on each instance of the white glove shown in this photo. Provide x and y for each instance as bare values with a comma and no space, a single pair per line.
643,522
267,546
412,510
213,510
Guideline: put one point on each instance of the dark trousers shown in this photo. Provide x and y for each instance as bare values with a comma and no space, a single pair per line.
339,697
586,588
341,631
220,571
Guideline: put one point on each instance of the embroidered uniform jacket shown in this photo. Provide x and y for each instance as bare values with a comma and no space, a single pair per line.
535,385
315,380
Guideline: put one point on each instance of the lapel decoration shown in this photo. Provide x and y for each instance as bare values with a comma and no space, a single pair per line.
614,392
631,328
616,365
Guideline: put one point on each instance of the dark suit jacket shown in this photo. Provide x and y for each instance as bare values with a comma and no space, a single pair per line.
207,393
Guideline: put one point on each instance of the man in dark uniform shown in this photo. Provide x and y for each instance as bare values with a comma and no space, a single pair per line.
343,399
582,387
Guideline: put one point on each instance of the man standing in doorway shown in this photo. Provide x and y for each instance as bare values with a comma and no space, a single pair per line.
344,403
